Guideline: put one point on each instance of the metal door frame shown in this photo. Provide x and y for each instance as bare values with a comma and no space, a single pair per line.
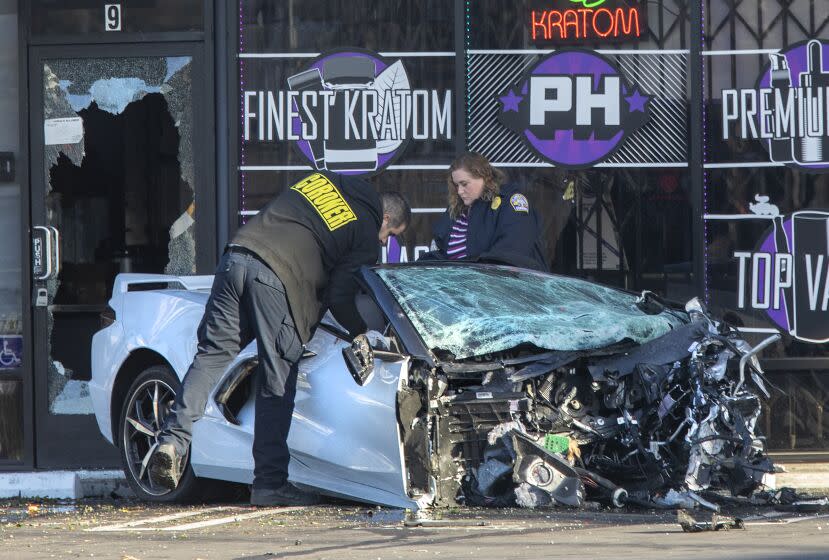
73,447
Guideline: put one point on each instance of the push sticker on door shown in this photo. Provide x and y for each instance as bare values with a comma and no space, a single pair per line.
326,199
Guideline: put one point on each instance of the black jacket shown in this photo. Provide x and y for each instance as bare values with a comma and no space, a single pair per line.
314,236
505,230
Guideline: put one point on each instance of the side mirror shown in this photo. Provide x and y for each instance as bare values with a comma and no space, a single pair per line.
359,358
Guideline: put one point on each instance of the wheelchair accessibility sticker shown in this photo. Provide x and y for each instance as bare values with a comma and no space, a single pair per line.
11,355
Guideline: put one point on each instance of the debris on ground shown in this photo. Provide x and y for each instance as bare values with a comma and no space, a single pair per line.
806,506
717,523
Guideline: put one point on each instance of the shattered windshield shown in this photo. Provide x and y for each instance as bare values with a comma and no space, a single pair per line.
471,311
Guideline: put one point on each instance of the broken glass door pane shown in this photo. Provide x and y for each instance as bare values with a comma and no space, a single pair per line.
118,162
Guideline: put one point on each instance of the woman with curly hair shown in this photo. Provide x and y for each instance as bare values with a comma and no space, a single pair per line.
486,220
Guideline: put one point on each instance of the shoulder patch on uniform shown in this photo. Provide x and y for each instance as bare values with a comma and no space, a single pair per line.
519,203
326,199
496,203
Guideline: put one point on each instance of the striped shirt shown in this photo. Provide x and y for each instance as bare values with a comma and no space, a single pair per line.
456,248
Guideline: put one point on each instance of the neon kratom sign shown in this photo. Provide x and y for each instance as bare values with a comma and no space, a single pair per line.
589,3
587,20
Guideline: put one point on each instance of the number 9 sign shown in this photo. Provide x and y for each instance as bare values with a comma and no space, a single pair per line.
112,17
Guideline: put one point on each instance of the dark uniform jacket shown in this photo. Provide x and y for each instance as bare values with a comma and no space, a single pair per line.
504,230
314,236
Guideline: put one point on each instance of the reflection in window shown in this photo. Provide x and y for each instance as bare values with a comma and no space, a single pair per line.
315,25
11,420
795,417
11,226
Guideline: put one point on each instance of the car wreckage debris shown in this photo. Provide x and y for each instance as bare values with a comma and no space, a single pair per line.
650,425
786,499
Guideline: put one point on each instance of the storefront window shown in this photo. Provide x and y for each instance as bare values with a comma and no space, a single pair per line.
11,419
591,120
614,210
316,25
767,198
794,417
11,229
766,187
305,67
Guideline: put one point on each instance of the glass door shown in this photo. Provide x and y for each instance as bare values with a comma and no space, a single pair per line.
114,161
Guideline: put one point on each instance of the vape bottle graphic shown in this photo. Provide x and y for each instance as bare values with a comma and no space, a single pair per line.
347,75
812,145
311,80
781,146
784,274
810,237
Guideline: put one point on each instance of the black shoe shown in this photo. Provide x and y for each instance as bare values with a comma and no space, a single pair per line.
165,466
285,495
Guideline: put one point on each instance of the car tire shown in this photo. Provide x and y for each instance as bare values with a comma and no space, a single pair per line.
142,413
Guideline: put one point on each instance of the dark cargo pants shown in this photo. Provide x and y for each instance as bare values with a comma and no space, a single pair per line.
247,301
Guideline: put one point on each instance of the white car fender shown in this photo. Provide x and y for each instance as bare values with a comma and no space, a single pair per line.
164,322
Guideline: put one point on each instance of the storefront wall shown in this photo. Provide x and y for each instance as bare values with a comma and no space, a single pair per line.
110,131
621,202
682,182
404,45
14,362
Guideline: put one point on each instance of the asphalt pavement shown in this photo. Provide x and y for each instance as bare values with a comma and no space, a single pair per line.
130,530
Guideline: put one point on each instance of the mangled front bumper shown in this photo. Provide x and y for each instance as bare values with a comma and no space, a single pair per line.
650,424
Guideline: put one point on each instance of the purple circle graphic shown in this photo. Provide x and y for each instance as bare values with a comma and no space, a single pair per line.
305,146
574,108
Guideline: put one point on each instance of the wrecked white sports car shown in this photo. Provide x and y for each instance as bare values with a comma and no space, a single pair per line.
482,385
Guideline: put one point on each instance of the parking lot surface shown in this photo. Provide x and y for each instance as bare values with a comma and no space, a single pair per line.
128,530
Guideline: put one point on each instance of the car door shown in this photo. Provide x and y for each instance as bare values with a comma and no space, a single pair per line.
344,434
344,438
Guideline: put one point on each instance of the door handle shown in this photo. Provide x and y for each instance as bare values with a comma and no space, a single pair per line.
41,253
45,252
56,247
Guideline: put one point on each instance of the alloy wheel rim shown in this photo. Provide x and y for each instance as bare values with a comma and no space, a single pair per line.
146,411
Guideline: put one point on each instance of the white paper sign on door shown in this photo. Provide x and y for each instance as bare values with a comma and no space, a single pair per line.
67,130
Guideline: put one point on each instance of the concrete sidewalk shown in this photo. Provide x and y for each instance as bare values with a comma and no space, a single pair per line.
71,485
111,483
804,476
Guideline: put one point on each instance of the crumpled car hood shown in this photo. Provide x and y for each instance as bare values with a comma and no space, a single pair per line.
471,311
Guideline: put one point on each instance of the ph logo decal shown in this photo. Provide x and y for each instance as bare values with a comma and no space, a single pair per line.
574,108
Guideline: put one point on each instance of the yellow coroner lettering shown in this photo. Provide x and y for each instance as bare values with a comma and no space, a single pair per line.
326,200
